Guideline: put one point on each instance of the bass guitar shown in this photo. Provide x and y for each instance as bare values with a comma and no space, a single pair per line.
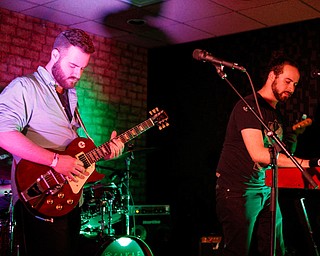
48,193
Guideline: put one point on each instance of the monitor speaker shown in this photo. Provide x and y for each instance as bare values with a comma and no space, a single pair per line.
154,230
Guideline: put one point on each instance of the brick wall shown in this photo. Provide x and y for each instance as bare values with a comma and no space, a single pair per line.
112,92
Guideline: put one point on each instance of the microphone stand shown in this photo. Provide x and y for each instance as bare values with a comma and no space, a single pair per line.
274,198
273,157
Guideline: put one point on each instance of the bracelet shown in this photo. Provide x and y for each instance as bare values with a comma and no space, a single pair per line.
314,162
55,160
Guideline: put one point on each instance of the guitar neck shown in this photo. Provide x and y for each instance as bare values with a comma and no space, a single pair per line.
103,150
135,131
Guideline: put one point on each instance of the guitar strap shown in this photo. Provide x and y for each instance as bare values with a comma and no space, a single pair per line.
65,103
76,111
77,115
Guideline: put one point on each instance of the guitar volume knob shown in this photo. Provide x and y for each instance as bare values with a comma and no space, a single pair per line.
59,207
70,201
49,201
61,195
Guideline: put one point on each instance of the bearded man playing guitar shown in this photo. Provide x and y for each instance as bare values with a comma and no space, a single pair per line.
35,126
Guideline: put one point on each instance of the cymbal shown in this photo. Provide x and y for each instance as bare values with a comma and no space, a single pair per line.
140,150
132,152
99,184
4,154
5,190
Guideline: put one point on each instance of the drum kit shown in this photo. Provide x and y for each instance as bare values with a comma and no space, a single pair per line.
101,209
104,205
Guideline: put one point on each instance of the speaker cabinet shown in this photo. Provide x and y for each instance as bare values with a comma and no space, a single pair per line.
154,229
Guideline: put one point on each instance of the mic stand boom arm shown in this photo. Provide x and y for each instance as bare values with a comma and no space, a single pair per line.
273,161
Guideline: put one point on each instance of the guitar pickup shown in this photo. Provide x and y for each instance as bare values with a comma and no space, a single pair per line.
83,158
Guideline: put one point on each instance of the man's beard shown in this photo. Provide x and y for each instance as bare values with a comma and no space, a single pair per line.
60,77
280,96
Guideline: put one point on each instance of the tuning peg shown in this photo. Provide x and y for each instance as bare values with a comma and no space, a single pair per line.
153,111
163,125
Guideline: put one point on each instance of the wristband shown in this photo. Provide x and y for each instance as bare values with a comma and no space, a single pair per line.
314,162
55,160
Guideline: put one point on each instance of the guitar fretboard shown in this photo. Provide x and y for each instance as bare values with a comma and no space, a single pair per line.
103,150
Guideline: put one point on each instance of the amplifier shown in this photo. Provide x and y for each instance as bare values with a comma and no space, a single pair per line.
152,223
135,210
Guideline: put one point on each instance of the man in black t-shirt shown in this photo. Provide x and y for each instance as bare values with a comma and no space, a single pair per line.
243,199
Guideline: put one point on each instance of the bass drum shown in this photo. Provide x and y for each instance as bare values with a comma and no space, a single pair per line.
124,245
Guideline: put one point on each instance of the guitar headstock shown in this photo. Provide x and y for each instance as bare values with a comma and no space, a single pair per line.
159,117
304,123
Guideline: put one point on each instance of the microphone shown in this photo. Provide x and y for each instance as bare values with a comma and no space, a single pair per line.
205,56
315,73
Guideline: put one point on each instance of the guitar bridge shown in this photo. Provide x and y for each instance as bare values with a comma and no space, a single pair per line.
47,184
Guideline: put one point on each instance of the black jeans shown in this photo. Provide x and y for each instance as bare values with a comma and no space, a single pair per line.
37,237
246,222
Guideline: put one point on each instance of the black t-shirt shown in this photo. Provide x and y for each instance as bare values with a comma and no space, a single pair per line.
235,166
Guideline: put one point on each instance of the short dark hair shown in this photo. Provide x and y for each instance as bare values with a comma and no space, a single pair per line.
75,37
278,60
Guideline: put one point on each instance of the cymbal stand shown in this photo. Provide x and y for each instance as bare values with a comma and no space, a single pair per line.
127,195
11,227
106,203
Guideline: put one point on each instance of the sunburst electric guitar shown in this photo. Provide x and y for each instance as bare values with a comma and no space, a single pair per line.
48,193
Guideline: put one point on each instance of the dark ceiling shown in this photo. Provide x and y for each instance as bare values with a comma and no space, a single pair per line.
156,23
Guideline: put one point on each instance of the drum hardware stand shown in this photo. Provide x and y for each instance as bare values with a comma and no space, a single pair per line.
109,202
127,196
11,225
